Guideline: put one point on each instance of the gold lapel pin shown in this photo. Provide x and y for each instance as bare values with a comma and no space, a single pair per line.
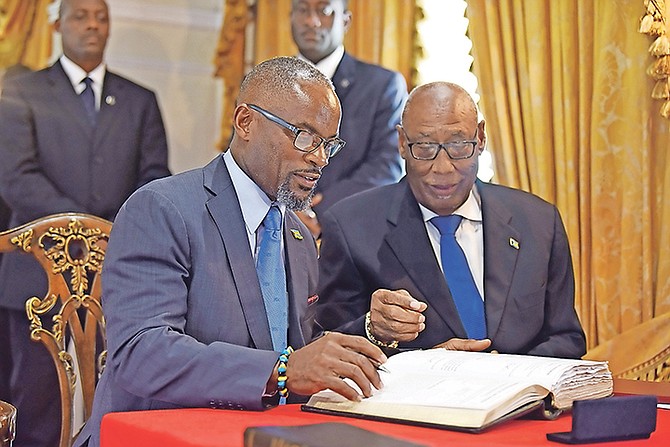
296,234
514,243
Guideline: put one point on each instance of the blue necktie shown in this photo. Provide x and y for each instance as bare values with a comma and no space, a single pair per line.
459,278
272,277
88,98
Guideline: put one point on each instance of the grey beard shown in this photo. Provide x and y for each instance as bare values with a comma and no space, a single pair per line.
289,198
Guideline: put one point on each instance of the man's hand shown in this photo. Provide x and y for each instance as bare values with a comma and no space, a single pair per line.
463,344
396,315
308,217
326,361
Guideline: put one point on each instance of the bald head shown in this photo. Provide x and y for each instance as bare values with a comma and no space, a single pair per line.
442,97
275,80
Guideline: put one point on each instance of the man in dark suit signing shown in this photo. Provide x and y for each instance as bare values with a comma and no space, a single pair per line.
372,98
194,319
73,137
440,259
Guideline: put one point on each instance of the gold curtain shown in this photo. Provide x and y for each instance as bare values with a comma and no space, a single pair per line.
25,33
380,33
570,118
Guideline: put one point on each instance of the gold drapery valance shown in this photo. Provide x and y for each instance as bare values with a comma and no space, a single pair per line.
256,30
25,33
655,23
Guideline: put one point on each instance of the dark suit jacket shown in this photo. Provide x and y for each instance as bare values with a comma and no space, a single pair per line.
378,240
372,99
186,323
54,161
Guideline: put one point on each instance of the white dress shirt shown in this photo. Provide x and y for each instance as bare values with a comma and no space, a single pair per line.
76,74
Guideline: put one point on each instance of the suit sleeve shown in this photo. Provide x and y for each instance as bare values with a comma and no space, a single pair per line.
382,165
343,297
147,271
562,334
153,162
23,185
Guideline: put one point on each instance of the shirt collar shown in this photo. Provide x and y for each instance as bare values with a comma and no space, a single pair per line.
254,203
327,65
76,74
471,208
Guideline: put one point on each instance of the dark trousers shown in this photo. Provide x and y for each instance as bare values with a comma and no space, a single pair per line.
28,381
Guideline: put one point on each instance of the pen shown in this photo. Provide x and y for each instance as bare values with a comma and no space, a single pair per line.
381,367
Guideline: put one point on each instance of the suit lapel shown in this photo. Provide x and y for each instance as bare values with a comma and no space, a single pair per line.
500,256
112,107
408,238
344,76
225,210
297,278
65,95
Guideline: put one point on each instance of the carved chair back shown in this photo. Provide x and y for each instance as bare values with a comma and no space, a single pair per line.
70,247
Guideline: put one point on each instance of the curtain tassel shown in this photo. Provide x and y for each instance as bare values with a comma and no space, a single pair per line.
660,47
665,109
661,89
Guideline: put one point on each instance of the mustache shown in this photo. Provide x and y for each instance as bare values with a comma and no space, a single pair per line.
311,171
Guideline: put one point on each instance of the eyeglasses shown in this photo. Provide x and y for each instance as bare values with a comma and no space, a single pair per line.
305,141
456,150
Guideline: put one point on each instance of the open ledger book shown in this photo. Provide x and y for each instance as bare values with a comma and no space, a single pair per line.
471,391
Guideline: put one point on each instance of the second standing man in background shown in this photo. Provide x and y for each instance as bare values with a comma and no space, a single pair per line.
371,96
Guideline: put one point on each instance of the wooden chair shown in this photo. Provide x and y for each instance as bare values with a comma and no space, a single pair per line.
640,353
7,424
71,249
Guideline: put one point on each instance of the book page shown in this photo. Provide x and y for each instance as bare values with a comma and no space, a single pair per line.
450,390
563,377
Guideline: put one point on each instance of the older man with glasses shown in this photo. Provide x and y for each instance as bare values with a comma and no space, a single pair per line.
441,259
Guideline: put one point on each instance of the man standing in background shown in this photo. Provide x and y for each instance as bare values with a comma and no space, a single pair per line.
371,96
74,137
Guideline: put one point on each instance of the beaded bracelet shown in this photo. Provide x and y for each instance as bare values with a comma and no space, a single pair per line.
368,333
281,378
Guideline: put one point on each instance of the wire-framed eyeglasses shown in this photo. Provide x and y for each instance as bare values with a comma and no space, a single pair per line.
428,150
305,141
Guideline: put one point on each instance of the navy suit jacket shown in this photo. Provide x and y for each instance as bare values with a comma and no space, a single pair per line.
54,160
372,99
186,323
378,239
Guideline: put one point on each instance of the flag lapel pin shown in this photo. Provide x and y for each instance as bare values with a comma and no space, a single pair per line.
296,234
514,243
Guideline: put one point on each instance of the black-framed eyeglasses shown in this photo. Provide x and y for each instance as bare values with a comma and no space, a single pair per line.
456,150
305,141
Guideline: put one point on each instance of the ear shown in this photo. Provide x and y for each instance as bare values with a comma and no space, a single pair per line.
346,16
402,140
242,119
481,136
57,25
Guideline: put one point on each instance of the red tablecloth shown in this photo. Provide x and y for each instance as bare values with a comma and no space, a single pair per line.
205,427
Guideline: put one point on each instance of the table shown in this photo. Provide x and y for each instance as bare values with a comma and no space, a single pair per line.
205,427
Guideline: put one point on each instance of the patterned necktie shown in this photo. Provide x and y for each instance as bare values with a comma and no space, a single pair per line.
459,278
272,277
88,98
